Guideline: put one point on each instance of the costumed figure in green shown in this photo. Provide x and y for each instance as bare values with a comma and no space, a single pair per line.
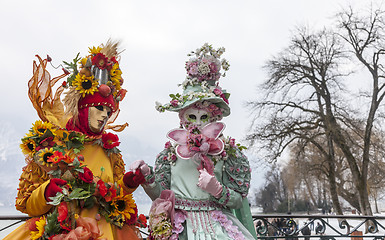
201,179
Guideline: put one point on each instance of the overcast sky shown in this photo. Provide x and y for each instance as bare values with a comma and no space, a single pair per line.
156,36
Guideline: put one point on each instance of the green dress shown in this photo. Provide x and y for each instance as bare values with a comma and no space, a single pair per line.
198,215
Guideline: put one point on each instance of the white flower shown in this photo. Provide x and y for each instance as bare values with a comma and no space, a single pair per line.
204,68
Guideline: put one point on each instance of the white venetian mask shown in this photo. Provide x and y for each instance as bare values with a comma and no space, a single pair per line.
197,117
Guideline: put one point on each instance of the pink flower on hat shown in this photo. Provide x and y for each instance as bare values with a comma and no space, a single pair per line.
174,102
217,91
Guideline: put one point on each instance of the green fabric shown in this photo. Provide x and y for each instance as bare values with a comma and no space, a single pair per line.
244,215
181,176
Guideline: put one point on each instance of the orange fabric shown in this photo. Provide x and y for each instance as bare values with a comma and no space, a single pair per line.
40,89
31,178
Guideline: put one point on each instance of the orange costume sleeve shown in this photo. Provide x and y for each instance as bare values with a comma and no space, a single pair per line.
30,197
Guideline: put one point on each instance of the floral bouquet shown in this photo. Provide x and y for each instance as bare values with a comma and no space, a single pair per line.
206,64
57,152
162,216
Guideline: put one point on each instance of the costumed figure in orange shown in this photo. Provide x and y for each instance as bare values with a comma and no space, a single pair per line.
74,185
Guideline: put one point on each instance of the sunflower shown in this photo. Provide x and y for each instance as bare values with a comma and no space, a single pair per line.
116,76
40,224
123,205
40,127
28,146
85,85
62,135
43,156
94,50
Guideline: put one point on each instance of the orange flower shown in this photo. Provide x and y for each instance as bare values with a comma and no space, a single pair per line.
58,156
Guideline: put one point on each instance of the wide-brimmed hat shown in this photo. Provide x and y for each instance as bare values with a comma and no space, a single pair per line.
201,83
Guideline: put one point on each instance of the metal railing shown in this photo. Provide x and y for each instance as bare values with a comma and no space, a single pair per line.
323,227
276,226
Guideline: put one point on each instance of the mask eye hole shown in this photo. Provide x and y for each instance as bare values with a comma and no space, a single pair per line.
204,117
100,107
192,117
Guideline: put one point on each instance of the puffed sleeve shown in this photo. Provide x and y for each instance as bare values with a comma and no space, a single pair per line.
235,179
161,174
30,197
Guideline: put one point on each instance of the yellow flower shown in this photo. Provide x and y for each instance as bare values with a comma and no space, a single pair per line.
43,156
85,85
83,61
28,146
62,135
40,127
116,76
123,205
40,224
94,50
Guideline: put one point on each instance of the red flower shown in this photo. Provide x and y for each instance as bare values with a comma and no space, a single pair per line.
110,140
111,193
102,188
31,224
100,61
142,221
87,176
63,212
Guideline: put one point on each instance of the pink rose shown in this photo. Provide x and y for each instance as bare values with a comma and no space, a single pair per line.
232,142
217,91
167,145
174,102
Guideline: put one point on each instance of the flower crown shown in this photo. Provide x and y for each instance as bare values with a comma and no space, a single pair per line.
98,81
201,83
99,71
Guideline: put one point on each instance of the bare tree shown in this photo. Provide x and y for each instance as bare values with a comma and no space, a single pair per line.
305,98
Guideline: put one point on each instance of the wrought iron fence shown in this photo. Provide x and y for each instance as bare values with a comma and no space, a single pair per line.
275,226
325,227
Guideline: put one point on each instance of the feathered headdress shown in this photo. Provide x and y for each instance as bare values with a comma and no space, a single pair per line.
92,81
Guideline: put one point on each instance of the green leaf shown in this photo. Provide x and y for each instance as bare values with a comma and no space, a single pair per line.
55,173
57,199
79,193
52,227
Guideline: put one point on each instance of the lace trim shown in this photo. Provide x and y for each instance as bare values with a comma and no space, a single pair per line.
187,204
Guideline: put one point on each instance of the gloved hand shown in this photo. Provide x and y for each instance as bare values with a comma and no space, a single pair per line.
209,183
133,180
53,188
139,164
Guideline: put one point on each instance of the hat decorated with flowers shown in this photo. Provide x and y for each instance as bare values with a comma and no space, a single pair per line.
201,83
96,82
